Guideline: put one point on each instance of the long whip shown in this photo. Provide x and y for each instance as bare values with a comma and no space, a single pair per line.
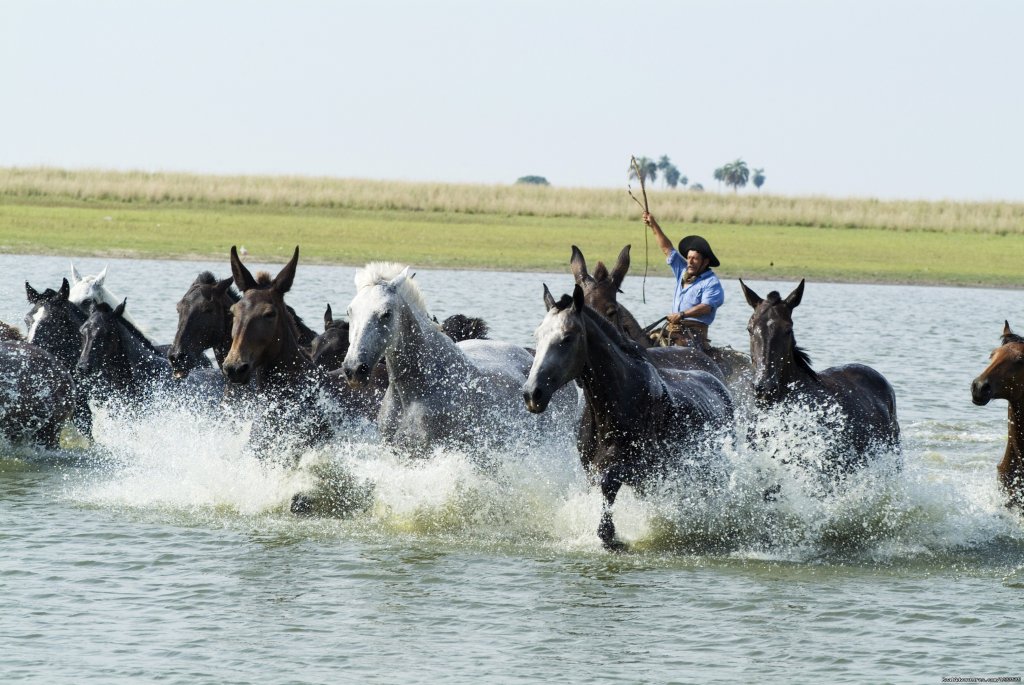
647,252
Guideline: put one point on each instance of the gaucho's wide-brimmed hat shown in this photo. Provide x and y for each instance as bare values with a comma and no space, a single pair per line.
696,242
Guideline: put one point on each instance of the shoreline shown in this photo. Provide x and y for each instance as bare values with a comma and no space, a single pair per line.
726,274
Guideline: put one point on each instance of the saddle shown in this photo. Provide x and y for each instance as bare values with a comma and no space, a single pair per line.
688,333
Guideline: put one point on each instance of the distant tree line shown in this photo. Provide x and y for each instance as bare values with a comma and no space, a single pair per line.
735,174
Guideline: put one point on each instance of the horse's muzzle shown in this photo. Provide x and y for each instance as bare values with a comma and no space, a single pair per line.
239,373
357,375
981,392
536,399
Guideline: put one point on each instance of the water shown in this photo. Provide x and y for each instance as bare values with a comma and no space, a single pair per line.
162,553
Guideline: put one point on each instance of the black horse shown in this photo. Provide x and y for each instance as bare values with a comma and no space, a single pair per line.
38,394
783,373
53,324
637,419
123,365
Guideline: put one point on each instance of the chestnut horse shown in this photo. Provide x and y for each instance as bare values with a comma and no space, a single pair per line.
1003,379
637,419
782,373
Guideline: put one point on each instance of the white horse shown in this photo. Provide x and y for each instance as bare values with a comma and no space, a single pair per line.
440,392
91,288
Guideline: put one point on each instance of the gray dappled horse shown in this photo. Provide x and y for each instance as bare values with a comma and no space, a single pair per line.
440,392
637,418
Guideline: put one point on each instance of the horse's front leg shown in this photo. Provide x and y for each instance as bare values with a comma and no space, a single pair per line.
611,482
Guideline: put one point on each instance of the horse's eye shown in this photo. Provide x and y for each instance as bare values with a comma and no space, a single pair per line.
612,312
385,315
269,315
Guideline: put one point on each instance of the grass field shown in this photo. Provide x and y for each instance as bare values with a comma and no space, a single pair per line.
45,211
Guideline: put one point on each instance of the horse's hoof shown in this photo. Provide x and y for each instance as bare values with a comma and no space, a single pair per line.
613,545
302,505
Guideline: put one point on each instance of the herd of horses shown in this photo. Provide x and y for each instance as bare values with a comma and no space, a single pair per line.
637,410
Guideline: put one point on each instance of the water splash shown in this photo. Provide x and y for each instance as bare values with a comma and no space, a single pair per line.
765,502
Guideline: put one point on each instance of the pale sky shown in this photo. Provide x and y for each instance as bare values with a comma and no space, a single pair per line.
916,99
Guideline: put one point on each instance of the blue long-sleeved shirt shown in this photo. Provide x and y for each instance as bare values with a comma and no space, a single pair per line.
706,289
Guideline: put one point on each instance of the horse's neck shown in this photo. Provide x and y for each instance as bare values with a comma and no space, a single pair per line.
138,351
617,387
422,356
292,368
1011,468
794,375
223,344
632,328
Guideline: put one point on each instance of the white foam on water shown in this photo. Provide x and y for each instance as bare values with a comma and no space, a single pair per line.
180,459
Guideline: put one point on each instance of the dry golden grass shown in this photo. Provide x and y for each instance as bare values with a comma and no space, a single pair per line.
48,185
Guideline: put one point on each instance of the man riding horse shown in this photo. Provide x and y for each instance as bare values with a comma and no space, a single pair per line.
698,292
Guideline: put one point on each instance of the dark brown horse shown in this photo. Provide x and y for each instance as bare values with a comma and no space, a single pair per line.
266,354
37,394
601,289
1003,379
637,419
205,322
783,373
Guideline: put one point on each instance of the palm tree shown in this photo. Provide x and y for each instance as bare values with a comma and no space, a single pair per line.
719,175
648,169
736,174
664,165
758,178
671,176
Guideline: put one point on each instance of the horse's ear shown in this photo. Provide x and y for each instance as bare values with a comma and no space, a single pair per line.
102,275
328,317
793,299
283,280
242,276
31,293
75,276
395,283
577,299
119,309
753,299
222,286
621,267
578,265
65,289
549,300
1006,326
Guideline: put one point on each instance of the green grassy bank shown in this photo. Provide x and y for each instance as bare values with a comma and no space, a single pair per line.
434,231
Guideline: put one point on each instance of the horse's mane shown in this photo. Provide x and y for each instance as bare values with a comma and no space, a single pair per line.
207,278
1010,338
135,333
379,273
627,345
9,332
800,356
